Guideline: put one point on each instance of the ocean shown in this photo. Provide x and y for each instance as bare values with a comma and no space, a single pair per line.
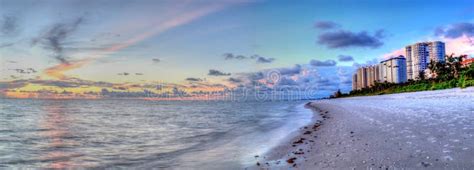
143,134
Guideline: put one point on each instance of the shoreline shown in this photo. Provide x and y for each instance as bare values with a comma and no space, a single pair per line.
385,131
292,151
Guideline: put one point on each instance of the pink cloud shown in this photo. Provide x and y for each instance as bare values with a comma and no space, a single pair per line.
57,71
458,46
394,53
461,45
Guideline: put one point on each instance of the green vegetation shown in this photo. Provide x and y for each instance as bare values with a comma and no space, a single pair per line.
446,75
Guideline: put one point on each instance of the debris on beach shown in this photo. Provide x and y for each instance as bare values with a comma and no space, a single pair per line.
316,126
298,153
291,160
425,164
299,141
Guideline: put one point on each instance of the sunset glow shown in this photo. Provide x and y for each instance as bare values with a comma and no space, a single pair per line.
193,49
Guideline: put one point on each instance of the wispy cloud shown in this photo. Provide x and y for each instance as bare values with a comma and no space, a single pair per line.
6,45
156,60
25,71
261,59
325,25
8,25
231,56
258,59
54,38
123,74
57,71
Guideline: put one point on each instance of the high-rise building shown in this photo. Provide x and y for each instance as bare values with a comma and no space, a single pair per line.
392,70
400,69
395,70
383,72
371,76
354,81
378,73
408,54
437,51
362,78
420,54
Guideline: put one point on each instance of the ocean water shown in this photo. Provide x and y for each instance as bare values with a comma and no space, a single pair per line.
143,134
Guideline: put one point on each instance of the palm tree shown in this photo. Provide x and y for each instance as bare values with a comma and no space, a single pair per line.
422,75
434,68
457,65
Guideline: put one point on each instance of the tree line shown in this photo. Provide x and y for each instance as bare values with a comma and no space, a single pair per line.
443,75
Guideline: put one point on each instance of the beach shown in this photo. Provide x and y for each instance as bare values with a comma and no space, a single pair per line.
429,129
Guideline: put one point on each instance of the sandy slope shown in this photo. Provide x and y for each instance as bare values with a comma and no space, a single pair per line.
432,129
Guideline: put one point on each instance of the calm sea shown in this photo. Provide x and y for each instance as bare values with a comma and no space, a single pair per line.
143,134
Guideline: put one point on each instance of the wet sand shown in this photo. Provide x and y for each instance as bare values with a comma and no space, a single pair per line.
431,129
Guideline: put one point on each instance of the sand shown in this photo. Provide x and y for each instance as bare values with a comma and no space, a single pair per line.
431,129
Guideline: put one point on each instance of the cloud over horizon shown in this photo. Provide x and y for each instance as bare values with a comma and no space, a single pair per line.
307,80
213,72
345,58
326,63
258,59
156,60
192,79
261,59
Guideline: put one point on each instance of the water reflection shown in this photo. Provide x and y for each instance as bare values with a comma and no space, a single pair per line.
57,148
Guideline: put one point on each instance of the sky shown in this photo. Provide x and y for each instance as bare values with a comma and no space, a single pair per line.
155,49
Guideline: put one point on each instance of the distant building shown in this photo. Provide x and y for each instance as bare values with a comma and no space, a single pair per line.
378,73
400,69
354,81
383,72
392,70
437,51
395,70
370,76
362,78
420,54
467,62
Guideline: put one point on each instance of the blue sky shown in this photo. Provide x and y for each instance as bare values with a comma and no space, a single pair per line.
189,38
